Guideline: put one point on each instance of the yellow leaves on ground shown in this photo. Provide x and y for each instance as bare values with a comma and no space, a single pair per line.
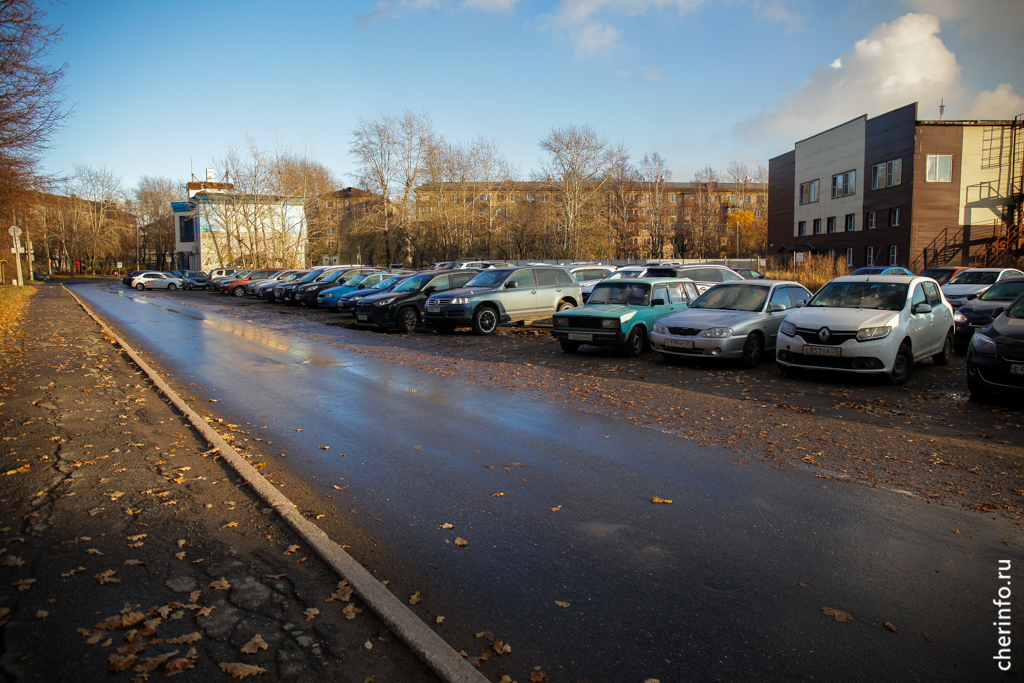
497,495
890,626
351,611
439,620
107,577
180,665
220,584
12,561
537,675
446,525
556,508
325,448
42,614
838,614
661,500
230,525
181,542
92,551
561,604
291,549
415,598
133,563
194,596
461,541
501,648
255,645
21,470
344,593
186,639
137,537
239,670
368,645
180,556
76,570
311,613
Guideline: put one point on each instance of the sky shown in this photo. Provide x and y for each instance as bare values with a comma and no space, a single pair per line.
167,87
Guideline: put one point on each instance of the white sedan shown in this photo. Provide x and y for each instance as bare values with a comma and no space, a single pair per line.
152,279
869,324
969,284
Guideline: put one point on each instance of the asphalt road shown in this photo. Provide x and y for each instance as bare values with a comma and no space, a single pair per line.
727,582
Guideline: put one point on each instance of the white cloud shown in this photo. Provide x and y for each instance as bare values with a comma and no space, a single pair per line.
393,9
780,15
587,21
594,37
1001,103
491,5
897,63
980,16
622,73
653,73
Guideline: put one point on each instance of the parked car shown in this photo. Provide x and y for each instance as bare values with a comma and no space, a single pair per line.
195,279
329,296
621,313
882,270
283,292
589,275
307,294
750,274
972,282
264,289
347,302
41,277
875,324
222,272
235,285
127,279
216,282
152,279
943,275
981,311
704,275
995,356
402,307
520,293
734,320
252,288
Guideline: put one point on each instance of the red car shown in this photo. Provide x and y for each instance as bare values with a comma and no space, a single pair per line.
237,287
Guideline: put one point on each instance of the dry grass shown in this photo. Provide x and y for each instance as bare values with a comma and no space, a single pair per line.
13,302
814,272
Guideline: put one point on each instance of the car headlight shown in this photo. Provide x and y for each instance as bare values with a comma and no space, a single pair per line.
870,333
328,295
660,329
561,322
385,302
984,345
959,317
610,324
461,300
787,328
717,332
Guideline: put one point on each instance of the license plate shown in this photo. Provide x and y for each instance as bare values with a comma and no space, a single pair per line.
579,336
679,343
362,317
822,351
433,309
1017,369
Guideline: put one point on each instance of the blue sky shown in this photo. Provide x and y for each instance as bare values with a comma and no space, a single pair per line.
159,86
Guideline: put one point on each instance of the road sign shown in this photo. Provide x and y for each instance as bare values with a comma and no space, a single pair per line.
14,231
18,250
119,265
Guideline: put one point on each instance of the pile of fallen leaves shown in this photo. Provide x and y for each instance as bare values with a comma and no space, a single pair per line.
13,302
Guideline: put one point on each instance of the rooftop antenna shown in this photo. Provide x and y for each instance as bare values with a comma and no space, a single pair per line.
942,108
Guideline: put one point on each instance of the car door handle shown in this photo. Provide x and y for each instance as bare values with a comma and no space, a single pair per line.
533,292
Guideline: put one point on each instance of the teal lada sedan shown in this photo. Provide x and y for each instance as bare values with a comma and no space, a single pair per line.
621,313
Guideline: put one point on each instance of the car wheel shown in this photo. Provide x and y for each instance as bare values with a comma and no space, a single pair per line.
140,286
238,291
407,319
565,306
569,347
946,354
753,351
485,320
171,286
635,343
902,367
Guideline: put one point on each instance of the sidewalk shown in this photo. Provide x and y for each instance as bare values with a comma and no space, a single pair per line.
128,549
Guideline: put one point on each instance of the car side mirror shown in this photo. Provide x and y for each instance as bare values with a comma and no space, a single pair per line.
998,312
775,308
920,309
511,285
801,303
361,287
658,302
430,290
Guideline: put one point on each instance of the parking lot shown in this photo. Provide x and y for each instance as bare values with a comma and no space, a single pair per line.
927,438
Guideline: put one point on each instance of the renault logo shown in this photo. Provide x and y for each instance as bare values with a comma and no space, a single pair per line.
823,334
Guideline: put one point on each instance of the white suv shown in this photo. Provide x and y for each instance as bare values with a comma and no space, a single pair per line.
879,324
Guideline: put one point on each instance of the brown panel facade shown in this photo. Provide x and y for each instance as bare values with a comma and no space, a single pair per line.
936,209
781,193
887,138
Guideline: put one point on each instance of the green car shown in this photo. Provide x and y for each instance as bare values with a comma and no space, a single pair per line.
622,313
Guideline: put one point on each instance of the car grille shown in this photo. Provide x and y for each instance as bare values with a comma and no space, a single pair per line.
1003,377
364,308
587,323
842,363
684,331
834,338
438,302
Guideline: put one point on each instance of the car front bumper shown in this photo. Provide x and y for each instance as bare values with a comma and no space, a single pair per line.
380,318
594,337
997,373
695,346
876,356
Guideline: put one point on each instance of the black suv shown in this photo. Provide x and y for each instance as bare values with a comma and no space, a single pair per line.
285,292
402,307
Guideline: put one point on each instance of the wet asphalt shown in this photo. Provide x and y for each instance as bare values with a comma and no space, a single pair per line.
727,582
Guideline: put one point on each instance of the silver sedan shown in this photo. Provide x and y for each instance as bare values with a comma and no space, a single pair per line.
738,320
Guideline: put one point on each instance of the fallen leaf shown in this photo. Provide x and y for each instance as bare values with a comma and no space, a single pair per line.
275,576
133,563
187,639
194,595
446,525
344,592
439,620
181,543
180,556
661,500
538,675
325,448
889,626
119,662
237,669
415,598
351,611
561,604
72,572
839,614
107,577
255,645
497,495
205,611
42,614
417,447
501,648
230,525
12,561
137,537
92,551
291,549
461,541
556,509
368,645
220,584
311,613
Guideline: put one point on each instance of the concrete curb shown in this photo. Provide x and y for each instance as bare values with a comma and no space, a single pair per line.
420,638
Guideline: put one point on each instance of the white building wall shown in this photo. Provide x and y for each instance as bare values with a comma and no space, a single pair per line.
984,174
835,151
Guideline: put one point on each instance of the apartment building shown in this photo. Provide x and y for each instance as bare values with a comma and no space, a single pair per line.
896,190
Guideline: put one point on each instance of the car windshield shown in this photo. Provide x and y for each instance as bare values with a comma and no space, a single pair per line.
331,277
414,284
733,298
291,276
489,278
619,274
357,279
1016,310
384,284
883,296
629,293
940,275
312,275
1004,291
974,277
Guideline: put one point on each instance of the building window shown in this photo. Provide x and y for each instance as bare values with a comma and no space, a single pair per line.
673,198
831,224
817,226
892,254
886,175
809,192
801,228
187,231
939,168
870,257
330,244
849,257
330,231
894,217
672,212
545,197
869,220
531,197
851,222
844,184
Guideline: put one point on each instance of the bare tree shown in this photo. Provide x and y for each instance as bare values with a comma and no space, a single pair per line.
152,204
103,219
705,225
656,173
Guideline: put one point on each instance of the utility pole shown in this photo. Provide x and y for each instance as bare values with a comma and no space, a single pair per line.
15,232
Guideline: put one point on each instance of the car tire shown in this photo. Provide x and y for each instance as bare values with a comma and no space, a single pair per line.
753,351
238,291
569,346
140,287
485,320
407,319
946,354
564,306
635,343
902,367
171,286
